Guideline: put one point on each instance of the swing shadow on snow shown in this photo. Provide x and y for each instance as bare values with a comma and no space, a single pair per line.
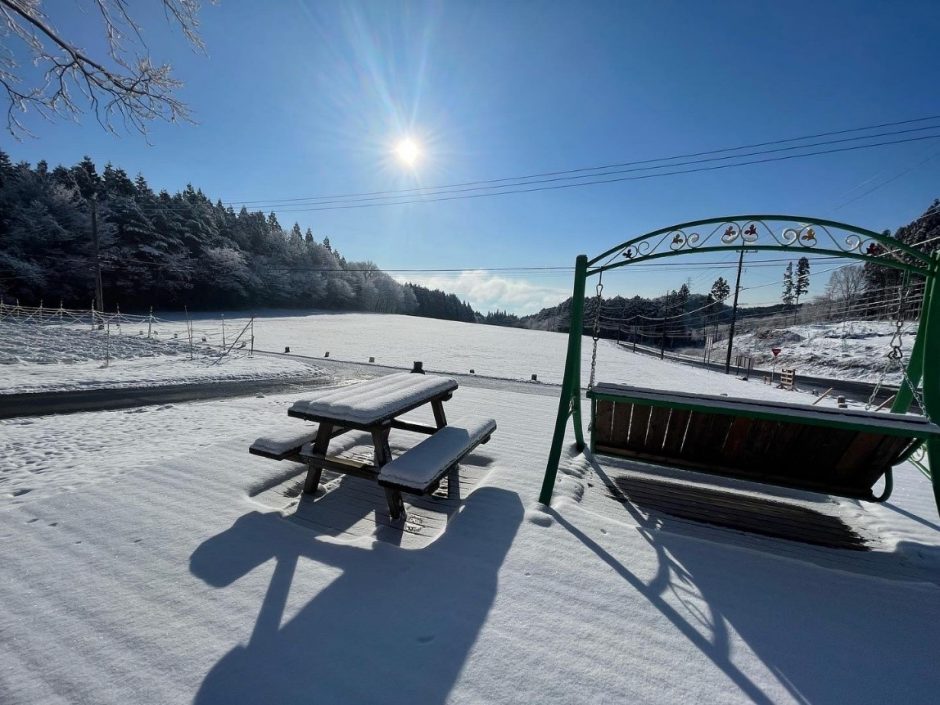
832,631
396,626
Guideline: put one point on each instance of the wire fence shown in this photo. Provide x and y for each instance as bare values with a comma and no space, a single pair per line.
40,333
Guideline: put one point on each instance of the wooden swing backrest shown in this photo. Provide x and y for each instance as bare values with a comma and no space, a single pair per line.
835,451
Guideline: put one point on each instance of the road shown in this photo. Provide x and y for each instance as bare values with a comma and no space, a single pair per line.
70,402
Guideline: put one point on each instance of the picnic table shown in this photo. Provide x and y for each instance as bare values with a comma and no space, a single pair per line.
376,407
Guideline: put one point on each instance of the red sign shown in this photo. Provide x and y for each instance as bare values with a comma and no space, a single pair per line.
775,351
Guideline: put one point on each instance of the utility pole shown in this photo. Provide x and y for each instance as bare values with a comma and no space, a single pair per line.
662,326
99,290
734,309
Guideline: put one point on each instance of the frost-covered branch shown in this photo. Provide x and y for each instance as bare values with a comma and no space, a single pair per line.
123,89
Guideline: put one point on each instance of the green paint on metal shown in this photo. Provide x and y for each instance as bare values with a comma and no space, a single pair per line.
760,218
931,358
903,266
570,402
926,347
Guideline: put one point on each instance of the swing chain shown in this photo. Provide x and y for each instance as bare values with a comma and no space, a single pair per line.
896,354
597,329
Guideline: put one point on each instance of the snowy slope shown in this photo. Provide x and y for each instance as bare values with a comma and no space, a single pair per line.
852,350
453,347
142,570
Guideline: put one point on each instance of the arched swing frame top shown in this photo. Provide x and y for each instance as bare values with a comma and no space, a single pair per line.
762,233
807,236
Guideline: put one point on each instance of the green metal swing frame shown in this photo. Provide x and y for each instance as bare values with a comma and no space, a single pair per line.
764,233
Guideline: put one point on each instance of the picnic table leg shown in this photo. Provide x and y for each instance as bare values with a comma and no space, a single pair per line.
320,445
453,482
383,455
396,505
437,405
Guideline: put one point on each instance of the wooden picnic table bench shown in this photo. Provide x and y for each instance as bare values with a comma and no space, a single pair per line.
375,407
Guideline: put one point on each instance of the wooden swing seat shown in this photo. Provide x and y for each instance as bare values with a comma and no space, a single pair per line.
832,451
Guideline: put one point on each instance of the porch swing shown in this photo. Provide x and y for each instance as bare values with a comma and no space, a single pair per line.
827,450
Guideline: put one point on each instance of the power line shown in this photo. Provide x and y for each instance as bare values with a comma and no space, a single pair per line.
438,191
897,176
424,194
596,168
613,180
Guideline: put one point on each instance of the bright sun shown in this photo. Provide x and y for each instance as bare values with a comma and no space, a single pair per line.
407,151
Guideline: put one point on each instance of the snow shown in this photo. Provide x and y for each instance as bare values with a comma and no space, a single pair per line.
369,402
854,350
443,346
420,465
139,565
280,442
46,358
455,348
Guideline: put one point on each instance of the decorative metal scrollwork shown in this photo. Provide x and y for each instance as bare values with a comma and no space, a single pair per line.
681,241
766,233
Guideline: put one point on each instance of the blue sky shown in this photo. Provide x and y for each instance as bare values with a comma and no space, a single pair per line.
302,98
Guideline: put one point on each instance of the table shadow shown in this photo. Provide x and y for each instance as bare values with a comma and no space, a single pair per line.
396,625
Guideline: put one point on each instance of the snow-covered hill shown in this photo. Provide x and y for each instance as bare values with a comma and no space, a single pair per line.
852,350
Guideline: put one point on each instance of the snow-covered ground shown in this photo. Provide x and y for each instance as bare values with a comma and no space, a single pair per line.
140,567
449,346
854,350
47,358
36,358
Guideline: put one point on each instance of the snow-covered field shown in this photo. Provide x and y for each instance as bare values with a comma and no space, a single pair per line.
37,358
449,346
852,350
140,567
47,358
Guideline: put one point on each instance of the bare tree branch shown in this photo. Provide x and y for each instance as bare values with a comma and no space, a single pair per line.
131,90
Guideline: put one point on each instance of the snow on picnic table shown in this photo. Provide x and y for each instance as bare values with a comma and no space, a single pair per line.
140,568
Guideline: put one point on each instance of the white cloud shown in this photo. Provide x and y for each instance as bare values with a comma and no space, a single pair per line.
488,292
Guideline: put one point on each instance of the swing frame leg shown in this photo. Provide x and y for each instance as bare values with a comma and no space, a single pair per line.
569,404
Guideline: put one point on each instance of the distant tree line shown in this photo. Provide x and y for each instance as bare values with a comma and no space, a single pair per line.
434,303
675,319
874,292
170,250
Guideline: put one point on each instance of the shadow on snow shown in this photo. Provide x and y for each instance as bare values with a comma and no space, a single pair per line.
396,626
